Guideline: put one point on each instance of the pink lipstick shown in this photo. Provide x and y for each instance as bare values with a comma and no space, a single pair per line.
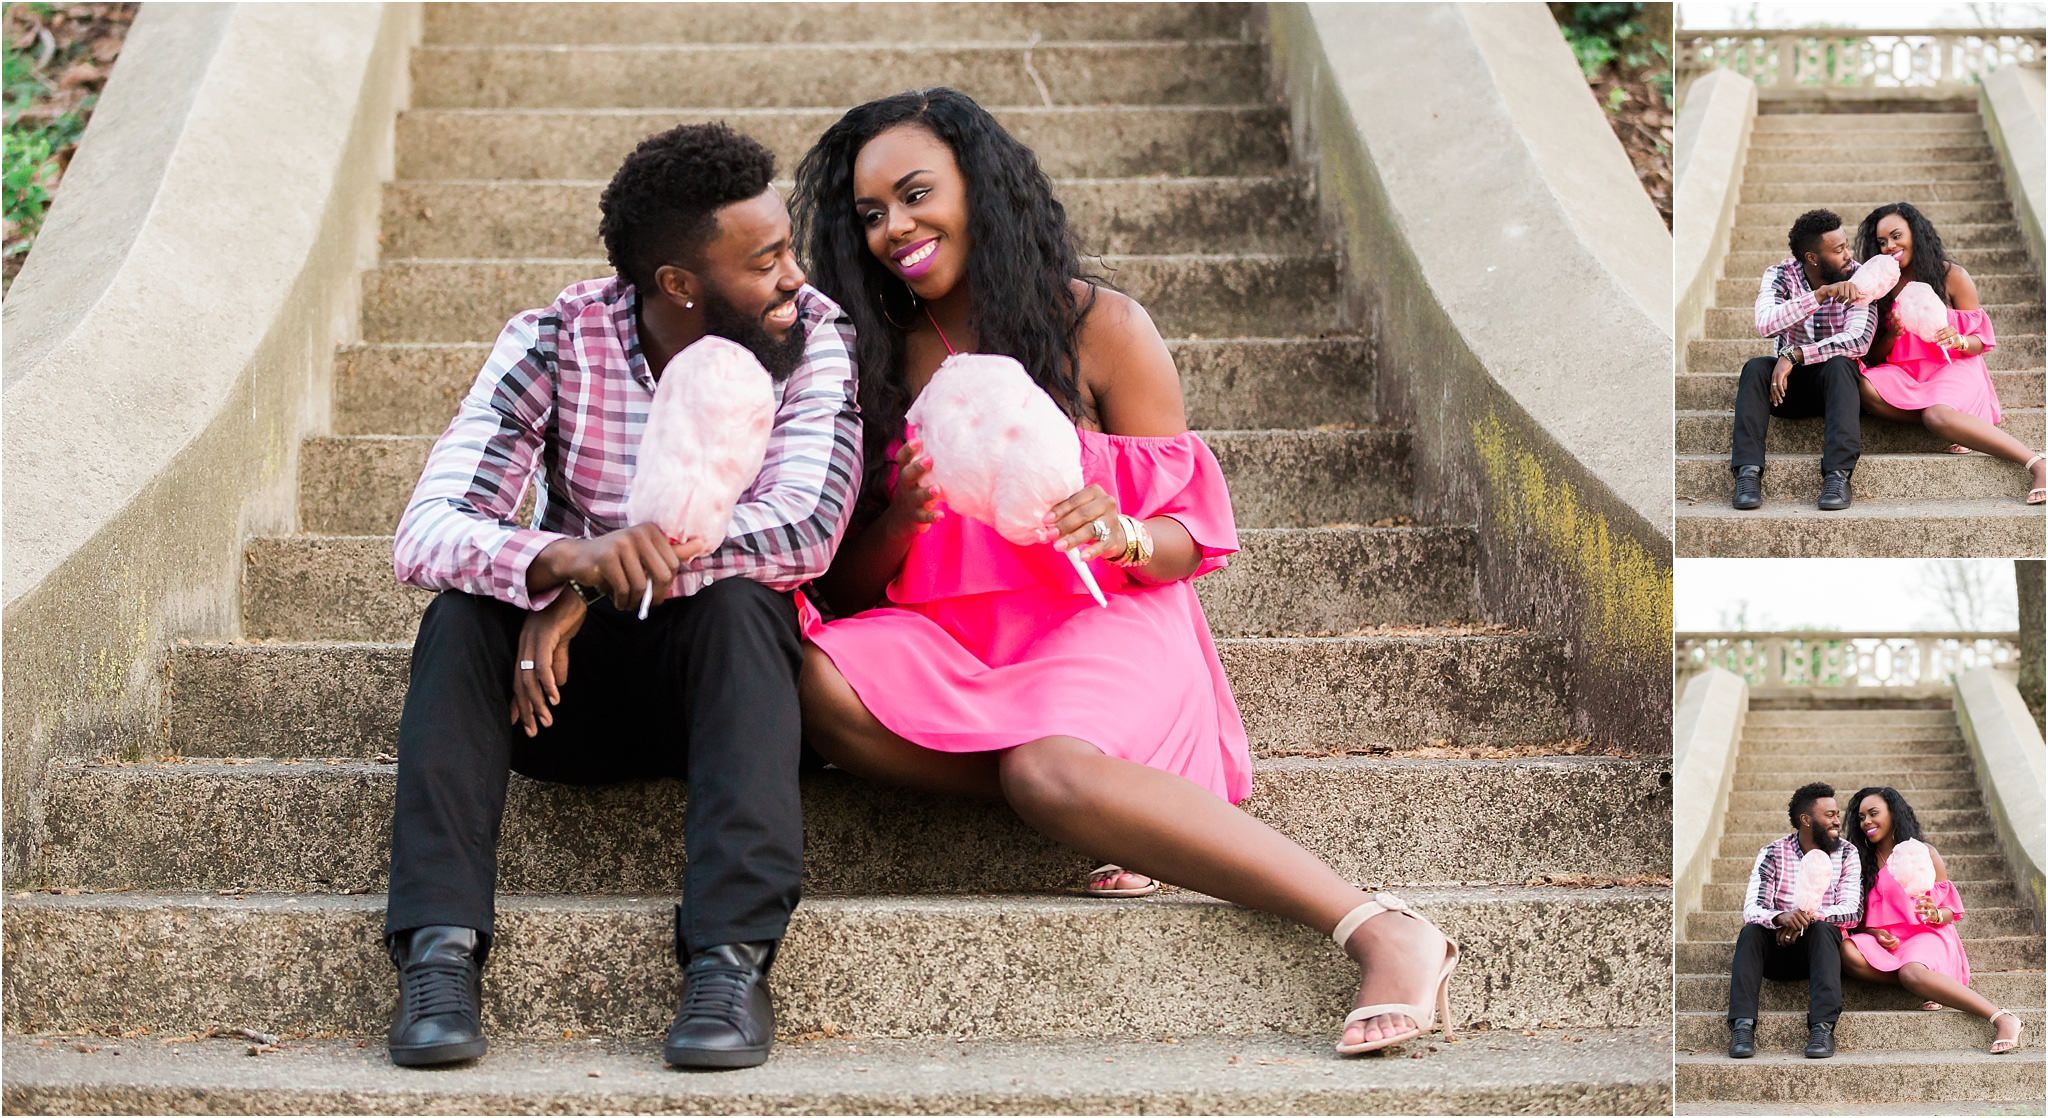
915,260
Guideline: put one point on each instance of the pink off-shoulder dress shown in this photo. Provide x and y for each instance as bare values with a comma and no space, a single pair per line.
985,645
1916,375
1939,948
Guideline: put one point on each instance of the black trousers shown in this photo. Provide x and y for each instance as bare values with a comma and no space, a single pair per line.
1829,389
1815,957
704,689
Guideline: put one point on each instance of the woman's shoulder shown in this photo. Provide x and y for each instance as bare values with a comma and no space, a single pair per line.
1111,316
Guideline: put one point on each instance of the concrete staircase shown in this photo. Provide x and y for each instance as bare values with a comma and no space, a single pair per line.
1891,1054
1911,498
231,874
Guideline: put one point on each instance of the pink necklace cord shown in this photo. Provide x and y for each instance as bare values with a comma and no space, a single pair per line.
950,351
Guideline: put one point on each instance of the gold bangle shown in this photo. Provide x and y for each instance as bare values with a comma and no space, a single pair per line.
1137,545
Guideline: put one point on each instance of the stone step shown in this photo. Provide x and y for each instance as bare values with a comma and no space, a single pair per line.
1993,287
1292,582
1852,212
485,219
1380,692
808,75
1947,799
1833,124
1961,867
638,24
1767,148
1975,895
850,967
1736,843
1878,477
314,827
1994,252
1982,528
1884,1077
1905,780
1983,921
1815,739
1937,823
1866,1030
359,484
1850,702
1990,953
1717,389
1892,767
1222,296
1871,719
1740,322
1709,432
1550,1071
1227,383
1874,176
2016,352
1094,142
1975,227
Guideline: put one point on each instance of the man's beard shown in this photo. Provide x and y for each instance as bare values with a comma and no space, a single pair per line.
1836,275
1825,842
780,356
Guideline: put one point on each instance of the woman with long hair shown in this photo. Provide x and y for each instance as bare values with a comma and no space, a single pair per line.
1912,941
965,665
1911,380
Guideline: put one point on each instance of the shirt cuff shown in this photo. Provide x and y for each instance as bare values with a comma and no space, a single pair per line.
510,565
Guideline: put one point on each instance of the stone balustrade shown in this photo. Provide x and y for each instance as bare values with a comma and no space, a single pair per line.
1800,63
1810,659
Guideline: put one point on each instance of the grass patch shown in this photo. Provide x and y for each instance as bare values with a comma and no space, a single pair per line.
58,57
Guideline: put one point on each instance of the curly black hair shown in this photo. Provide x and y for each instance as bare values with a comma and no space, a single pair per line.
1930,260
662,204
1802,800
1024,260
1905,825
1810,228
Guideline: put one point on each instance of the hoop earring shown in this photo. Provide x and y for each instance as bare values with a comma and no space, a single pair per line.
883,303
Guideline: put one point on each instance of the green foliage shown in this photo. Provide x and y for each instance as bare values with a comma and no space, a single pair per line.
32,148
1616,35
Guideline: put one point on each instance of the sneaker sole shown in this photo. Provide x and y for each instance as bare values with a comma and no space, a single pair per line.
431,1055
714,1059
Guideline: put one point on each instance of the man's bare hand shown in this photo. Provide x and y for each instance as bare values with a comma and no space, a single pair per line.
1781,378
623,563
544,643
1843,292
1796,920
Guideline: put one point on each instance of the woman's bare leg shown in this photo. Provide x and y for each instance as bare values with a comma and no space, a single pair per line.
1172,829
1855,966
1964,429
1875,404
841,728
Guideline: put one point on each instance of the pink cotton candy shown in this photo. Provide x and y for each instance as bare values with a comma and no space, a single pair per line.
1816,873
706,437
1921,312
1002,452
1874,277
1912,866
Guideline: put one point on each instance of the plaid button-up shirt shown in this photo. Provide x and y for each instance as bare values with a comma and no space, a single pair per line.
563,400
1774,884
1808,330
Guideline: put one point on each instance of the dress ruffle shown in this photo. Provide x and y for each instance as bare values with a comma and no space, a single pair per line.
1918,375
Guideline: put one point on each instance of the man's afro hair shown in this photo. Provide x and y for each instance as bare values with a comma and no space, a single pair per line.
1810,228
662,205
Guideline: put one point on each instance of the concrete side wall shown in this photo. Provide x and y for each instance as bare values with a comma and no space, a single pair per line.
1515,282
167,344
2007,750
2011,101
1713,147
1707,742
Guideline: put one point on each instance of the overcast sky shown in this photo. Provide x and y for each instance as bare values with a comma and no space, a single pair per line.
1882,13
1838,594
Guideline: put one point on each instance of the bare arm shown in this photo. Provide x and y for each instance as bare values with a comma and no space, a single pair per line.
1137,392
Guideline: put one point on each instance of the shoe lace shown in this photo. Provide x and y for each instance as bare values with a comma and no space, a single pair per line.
434,988
715,992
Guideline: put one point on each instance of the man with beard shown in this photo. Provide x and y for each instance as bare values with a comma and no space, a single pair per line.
1809,306
703,688
1780,940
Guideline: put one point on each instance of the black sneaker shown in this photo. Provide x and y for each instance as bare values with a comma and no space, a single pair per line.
440,987
1741,1038
1749,487
727,1018
1820,1041
1834,491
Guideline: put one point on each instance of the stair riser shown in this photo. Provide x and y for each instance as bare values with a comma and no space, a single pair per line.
559,220
1744,844
804,76
1993,252
1954,799
1770,149
2017,355
1913,741
574,24
1892,178
1969,1079
1730,895
1864,1031
1860,201
1105,143
1878,477
1828,128
1992,287
1228,384
1860,719
1934,823
1709,434
1770,534
1987,953
1142,969
1983,921
469,302
1967,228
323,829
1739,323
1280,479
1281,583
1296,696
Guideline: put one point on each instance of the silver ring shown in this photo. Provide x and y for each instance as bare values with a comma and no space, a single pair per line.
1100,529
525,665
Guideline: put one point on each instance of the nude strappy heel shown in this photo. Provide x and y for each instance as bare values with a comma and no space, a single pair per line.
1387,902
2039,493
1111,872
2001,1047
